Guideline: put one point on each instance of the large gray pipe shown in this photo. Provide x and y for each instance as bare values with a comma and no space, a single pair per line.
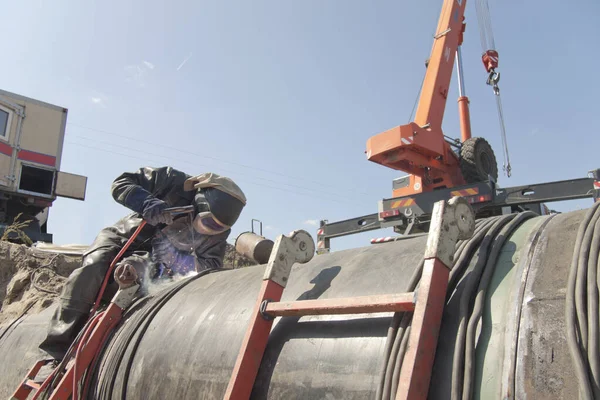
189,348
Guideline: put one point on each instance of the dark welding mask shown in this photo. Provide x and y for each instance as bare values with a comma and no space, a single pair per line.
218,201
216,211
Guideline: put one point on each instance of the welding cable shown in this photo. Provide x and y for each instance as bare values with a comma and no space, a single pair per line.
471,282
581,282
592,308
153,310
463,254
50,383
464,258
572,322
133,331
393,343
387,388
390,366
400,358
477,310
392,332
89,371
117,345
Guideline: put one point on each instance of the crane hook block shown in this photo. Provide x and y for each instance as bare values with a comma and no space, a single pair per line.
490,60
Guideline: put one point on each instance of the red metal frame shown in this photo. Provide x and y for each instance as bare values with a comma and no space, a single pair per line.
28,384
86,350
253,346
86,353
425,326
417,364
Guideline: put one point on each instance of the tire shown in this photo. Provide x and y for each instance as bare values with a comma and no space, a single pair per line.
478,161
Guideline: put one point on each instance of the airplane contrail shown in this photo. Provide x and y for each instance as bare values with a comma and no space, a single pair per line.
184,61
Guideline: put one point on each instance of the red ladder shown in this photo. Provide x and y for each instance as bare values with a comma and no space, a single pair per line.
86,349
452,220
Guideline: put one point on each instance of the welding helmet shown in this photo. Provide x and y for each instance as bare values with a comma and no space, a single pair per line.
218,202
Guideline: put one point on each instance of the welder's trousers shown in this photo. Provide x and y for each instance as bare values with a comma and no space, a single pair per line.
79,294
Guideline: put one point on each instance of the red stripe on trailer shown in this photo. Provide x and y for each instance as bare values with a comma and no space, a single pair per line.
320,232
597,184
321,244
37,157
5,149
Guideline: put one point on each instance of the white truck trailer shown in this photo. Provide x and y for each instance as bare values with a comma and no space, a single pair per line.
32,134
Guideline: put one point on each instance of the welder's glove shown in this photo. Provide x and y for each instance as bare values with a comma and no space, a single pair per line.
153,212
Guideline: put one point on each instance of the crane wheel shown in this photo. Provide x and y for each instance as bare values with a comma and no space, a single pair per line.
477,160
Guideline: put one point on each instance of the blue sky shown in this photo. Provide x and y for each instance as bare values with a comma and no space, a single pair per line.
282,95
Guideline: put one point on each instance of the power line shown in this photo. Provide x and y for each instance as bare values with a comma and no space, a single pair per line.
163,145
338,200
316,191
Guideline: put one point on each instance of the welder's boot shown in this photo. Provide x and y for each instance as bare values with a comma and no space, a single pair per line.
65,325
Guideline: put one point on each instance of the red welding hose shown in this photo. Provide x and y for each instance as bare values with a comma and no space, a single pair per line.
113,264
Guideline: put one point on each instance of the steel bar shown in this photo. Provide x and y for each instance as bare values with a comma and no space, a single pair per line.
350,305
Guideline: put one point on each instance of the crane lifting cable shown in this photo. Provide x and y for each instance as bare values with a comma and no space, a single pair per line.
490,62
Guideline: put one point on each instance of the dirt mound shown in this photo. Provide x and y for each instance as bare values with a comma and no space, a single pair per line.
30,279
233,259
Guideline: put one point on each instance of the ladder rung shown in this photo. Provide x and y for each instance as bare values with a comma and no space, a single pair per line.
350,305
32,384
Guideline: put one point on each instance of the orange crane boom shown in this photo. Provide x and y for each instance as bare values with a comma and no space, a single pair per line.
419,147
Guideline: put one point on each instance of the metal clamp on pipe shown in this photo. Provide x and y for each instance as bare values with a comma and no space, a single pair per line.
451,221
299,246
127,278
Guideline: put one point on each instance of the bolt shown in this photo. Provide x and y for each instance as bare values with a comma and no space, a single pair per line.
281,257
446,227
284,278
451,257
302,246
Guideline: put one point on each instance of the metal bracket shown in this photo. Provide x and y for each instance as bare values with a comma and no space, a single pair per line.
125,297
299,247
451,221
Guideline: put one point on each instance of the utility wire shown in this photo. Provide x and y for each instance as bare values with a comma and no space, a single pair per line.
180,150
120,146
338,200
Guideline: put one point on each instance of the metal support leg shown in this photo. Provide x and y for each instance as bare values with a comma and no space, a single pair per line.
450,222
253,345
298,247
425,327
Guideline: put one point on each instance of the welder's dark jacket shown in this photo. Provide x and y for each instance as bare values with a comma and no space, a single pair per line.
165,183
82,286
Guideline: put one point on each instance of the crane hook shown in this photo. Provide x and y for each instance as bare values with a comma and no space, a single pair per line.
493,79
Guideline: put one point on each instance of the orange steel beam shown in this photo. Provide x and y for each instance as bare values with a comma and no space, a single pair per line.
415,374
351,305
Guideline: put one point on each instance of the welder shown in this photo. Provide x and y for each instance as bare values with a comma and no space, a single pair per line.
166,245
